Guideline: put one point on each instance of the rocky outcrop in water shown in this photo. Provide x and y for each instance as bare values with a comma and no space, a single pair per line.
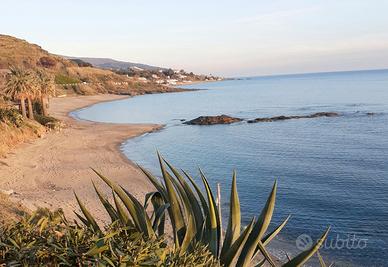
211,120
282,118
224,119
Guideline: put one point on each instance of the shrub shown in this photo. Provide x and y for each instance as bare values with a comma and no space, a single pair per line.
81,63
47,62
47,238
11,116
63,79
48,121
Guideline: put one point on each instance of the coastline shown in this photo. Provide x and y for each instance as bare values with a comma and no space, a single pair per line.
45,172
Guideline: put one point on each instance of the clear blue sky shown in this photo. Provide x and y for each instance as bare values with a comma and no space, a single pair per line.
220,37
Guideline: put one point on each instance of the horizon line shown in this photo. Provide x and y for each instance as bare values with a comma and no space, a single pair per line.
305,73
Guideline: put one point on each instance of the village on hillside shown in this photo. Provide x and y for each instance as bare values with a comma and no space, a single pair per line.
164,76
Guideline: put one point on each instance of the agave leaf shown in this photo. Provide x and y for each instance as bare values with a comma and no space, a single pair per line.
261,263
88,216
259,229
234,224
275,232
108,207
82,219
202,199
191,227
304,256
142,213
160,218
178,223
214,237
266,215
148,198
195,205
121,214
155,182
230,255
321,261
265,253
191,231
159,208
126,200
132,205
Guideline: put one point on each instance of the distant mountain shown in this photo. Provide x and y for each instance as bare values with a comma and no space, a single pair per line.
108,63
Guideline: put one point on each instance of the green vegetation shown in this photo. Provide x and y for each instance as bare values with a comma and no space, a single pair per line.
136,234
11,116
48,121
47,238
63,79
35,86
19,86
46,89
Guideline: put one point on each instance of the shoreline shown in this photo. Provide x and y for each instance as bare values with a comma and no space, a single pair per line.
156,127
86,190
44,172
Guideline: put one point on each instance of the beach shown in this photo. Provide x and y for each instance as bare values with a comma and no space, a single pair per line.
46,171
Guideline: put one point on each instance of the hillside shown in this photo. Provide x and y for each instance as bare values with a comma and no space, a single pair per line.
14,51
108,63
70,77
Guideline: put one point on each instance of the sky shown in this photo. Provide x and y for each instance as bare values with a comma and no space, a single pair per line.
228,38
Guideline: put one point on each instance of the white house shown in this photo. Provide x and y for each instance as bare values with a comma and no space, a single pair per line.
134,68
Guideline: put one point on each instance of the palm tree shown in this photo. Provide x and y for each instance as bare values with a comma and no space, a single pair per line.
46,89
30,96
32,93
19,85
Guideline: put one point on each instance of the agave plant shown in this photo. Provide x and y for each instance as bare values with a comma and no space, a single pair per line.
195,218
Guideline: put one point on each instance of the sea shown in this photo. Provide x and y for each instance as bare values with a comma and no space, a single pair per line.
331,171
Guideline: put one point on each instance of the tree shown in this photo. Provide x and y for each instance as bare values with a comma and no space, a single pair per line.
19,85
32,93
46,88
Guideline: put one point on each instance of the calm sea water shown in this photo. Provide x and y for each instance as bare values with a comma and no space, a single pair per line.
331,171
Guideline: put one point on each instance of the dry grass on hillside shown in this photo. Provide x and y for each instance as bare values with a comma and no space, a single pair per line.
11,136
14,51
94,75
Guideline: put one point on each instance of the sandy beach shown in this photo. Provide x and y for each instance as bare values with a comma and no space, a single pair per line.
45,172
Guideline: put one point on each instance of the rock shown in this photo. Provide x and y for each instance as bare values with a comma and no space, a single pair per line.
211,120
282,118
323,114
